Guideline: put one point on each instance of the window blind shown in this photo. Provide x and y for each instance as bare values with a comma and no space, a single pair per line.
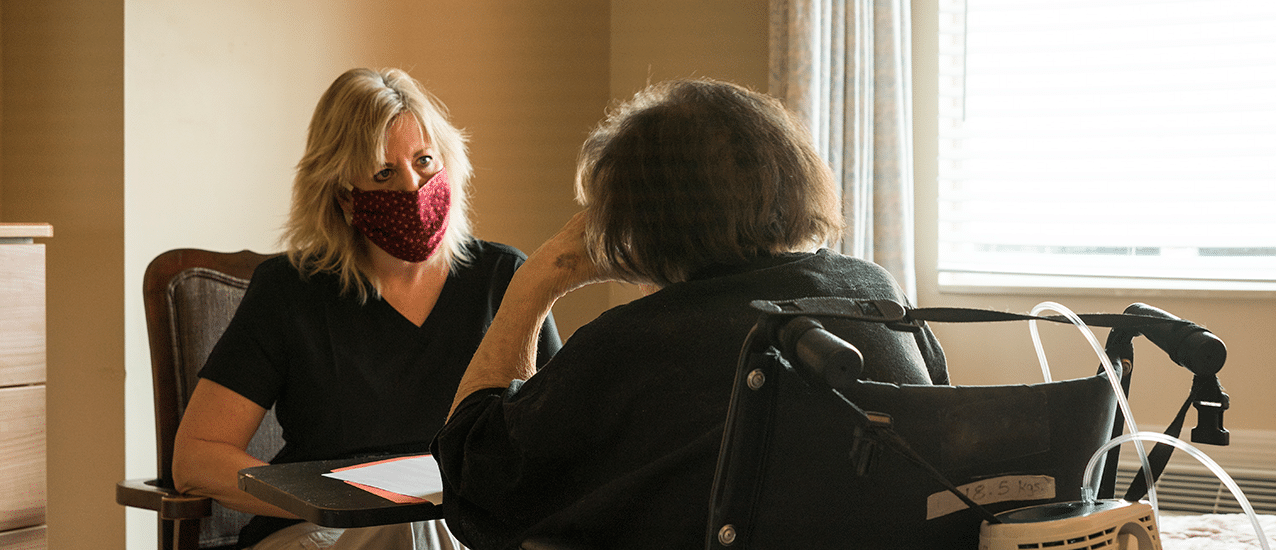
1114,142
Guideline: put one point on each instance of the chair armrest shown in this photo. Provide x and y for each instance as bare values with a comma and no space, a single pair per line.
148,495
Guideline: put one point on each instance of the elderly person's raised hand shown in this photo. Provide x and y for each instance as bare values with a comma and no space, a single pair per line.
561,264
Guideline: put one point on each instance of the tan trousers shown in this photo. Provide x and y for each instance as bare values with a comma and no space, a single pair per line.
422,535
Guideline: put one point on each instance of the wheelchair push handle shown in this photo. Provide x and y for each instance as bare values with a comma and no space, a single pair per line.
1193,347
1189,345
824,355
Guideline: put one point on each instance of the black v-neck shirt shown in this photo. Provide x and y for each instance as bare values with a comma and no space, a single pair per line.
350,379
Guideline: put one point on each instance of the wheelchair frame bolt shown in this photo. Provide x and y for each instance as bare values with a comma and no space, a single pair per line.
726,535
756,379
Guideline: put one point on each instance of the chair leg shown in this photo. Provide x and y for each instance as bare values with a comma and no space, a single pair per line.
186,534
179,534
166,535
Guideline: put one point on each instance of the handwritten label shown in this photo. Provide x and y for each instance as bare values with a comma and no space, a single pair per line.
988,491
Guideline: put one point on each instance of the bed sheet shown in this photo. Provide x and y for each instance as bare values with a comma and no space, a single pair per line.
1214,531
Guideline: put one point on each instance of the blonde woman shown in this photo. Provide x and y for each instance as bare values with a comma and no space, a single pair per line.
360,333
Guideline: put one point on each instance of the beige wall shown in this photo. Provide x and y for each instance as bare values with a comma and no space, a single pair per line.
63,163
654,40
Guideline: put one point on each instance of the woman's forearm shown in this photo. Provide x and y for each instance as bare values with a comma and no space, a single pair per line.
211,469
209,448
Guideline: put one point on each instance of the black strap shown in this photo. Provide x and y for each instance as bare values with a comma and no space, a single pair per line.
901,317
878,429
965,315
1159,456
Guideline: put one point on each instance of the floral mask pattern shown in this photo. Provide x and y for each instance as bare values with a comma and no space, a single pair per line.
408,225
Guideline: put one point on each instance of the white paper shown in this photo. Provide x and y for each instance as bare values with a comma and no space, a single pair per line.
416,477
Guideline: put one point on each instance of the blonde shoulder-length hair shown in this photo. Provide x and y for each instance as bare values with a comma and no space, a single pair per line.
346,140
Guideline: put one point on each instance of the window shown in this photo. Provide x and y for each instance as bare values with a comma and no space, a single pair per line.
1108,143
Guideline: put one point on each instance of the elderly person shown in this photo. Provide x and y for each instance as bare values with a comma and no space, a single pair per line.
360,333
710,196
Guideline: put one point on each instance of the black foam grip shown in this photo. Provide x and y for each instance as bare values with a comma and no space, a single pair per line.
1188,344
827,357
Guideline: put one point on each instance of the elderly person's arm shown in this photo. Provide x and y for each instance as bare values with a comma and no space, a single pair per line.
508,350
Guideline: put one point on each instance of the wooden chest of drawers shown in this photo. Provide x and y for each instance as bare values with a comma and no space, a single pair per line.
22,378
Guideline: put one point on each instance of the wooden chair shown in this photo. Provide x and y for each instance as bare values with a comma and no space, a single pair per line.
190,297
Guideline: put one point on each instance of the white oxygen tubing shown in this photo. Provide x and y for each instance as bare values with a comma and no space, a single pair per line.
1113,380
1036,337
1089,487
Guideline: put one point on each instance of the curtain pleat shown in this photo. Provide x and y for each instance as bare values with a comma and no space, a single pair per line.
843,66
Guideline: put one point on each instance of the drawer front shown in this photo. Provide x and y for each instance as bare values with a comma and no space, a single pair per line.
31,538
22,457
22,311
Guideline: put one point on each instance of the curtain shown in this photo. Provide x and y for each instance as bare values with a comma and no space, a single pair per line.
844,67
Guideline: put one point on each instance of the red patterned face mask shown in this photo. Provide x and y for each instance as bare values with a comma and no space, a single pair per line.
406,224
